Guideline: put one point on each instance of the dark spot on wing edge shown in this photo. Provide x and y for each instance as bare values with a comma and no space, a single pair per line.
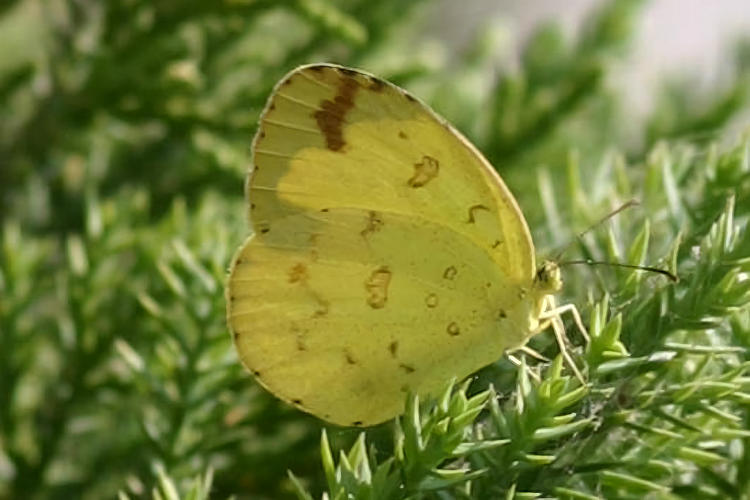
376,84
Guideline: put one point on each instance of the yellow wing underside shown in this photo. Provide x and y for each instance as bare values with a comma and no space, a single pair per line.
344,322
388,256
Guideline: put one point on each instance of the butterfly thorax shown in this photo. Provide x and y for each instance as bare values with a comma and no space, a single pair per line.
547,279
526,317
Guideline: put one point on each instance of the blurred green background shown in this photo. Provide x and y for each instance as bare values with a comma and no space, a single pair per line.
125,129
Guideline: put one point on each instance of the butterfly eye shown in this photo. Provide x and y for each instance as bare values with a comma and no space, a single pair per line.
542,274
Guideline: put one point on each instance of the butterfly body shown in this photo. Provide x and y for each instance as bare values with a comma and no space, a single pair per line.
387,254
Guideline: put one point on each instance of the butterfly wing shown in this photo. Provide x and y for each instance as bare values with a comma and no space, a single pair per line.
387,253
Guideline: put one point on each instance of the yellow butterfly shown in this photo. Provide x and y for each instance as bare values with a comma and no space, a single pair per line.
388,256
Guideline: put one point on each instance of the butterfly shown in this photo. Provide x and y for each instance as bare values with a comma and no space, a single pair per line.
387,255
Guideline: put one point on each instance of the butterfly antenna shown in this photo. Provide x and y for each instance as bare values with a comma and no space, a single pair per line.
673,277
624,206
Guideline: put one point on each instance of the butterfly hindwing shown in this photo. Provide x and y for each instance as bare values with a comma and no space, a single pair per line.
334,317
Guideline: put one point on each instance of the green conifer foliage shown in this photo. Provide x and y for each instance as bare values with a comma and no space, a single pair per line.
124,140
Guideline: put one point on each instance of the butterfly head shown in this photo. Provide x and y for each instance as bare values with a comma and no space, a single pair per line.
548,279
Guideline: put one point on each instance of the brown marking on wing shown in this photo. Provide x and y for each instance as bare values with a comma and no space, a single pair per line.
349,357
453,329
450,272
323,306
472,209
431,300
374,224
393,348
299,337
402,134
424,171
332,113
376,286
298,273
406,368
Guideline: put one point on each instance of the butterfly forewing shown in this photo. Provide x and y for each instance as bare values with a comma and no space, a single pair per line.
332,136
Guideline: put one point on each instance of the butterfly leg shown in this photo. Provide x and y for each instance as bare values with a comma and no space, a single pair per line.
518,362
555,312
534,354
551,316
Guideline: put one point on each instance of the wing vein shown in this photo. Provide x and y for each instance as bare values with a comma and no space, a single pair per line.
273,153
291,126
316,81
297,101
